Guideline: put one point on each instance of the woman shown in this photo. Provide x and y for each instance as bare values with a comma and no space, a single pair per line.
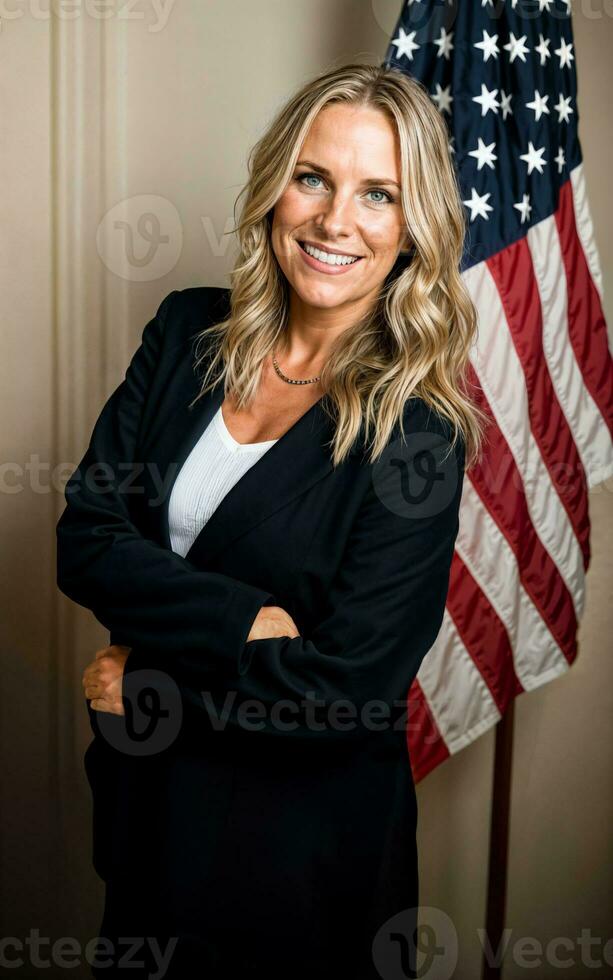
270,551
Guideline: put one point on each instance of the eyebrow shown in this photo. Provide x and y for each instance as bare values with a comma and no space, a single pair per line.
327,173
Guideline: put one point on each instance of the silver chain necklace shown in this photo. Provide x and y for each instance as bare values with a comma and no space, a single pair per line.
292,381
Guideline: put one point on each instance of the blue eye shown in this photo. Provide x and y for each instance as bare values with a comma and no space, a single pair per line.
304,177
388,201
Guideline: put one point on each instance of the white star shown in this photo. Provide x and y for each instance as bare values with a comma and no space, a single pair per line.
543,48
478,205
565,52
488,45
567,3
405,44
560,160
487,100
544,5
484,3
539,104
443,98
484,154
524,207
516,47
563,108
533,158
505,104
444,43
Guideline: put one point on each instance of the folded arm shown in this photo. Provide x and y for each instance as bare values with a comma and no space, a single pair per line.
145,594
384,609
350,675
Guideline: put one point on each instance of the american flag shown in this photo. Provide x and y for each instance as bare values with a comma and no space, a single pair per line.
503,76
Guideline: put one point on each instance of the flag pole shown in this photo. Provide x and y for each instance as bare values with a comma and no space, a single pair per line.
499,844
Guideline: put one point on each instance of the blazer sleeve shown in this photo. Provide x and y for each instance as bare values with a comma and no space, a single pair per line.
384,611
144,593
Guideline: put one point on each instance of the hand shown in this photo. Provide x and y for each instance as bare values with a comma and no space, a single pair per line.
102,679
272,621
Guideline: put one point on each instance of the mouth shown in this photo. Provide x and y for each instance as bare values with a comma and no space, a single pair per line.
324,260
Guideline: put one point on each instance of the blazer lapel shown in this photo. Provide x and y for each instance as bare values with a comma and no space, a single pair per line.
285,471
293,464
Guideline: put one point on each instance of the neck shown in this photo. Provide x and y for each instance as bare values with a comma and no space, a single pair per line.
313,330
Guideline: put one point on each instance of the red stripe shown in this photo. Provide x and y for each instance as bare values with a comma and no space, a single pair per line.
483,634
499,484
586,322
426,745
513,273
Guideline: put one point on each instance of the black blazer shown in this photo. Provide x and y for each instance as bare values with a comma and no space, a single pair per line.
294,811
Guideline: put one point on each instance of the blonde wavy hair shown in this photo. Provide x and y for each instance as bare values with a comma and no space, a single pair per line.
415,342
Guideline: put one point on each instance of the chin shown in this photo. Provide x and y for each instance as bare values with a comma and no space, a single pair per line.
324,295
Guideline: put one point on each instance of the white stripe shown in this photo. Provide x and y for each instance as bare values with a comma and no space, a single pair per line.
461,704
585,228
501,376
589,430
491,561
458,698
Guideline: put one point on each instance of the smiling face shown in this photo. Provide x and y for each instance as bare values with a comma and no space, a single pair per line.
344,198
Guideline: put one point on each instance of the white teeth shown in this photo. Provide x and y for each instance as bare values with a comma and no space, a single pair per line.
328,258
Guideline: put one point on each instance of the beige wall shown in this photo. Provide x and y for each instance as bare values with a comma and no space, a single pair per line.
95,113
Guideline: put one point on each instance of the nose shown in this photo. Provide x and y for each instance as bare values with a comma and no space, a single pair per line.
336,219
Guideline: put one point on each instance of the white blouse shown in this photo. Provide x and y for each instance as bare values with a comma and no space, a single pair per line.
214,465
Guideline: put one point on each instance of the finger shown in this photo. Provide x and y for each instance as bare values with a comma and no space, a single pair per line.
291,626
285,624
117,650
288,618
94,679
108,707
113,650
280,630
99,704
95,691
